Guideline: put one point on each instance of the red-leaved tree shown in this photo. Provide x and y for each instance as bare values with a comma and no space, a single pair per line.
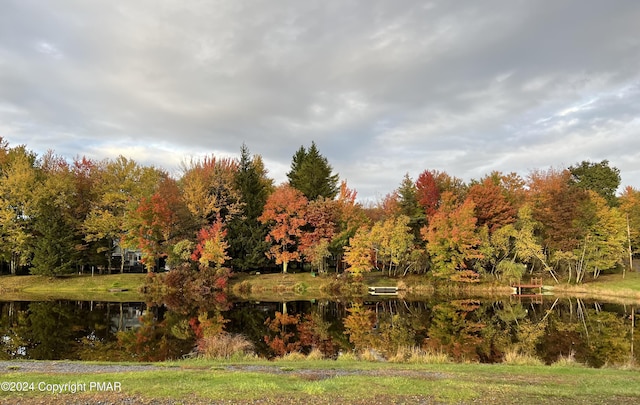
491,205
428,193
157,222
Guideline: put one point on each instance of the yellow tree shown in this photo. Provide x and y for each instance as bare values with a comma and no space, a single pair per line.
605,237
393,241
516,245
19,179
358,255
55,226
209,189
121,183
630,207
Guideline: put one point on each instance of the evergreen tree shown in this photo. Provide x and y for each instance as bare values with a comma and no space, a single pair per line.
312,175
56,229
409,206
54,251
247,235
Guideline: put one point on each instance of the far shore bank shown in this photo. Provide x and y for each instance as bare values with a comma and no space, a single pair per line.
304,286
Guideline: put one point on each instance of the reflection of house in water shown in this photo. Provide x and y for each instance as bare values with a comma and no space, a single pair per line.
125,316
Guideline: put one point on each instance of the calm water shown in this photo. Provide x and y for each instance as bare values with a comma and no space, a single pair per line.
594,333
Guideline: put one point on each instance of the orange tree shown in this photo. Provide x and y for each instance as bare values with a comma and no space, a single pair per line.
284,213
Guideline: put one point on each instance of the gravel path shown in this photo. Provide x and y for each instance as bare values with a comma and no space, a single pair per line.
71,367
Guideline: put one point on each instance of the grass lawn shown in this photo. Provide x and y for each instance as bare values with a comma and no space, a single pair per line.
73,287
612,287
326,381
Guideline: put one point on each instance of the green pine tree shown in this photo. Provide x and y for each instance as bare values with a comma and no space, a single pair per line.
54,252
312,175
245,234
409,206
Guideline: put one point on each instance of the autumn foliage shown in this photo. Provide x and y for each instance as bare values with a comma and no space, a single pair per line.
59,216
212,246
453,239
285,213
428,193
491,205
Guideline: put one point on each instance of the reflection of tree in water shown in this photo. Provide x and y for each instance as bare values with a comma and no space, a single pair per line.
470,330
588,334
161,336
454,330
185,290
303,328
248,319
56,328
14,329
386,326
186,306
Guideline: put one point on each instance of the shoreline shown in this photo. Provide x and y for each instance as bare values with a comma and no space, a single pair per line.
301,286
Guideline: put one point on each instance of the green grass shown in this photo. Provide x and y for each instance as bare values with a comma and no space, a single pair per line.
358,382
631,281
73,287
612,287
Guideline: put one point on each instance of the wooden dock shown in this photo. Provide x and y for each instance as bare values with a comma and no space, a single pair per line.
535,284
383,290
527,298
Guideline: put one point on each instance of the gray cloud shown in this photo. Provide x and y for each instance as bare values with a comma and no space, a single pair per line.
384,88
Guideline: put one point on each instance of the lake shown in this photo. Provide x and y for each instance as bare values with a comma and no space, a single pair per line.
484,330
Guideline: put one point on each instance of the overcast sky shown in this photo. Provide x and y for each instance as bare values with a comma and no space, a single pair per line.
383,87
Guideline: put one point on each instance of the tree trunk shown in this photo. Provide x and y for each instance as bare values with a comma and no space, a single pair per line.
109,256
121,319
630,251
122,260
580,265
570,273
633,326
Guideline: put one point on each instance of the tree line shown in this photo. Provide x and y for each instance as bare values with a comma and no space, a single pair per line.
59,216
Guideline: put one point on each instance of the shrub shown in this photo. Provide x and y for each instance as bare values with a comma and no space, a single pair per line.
371,355
567,361
417,355
315,354
347,356
224,346
292,356
244,287
516,358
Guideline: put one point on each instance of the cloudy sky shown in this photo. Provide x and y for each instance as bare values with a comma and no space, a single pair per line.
383,87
